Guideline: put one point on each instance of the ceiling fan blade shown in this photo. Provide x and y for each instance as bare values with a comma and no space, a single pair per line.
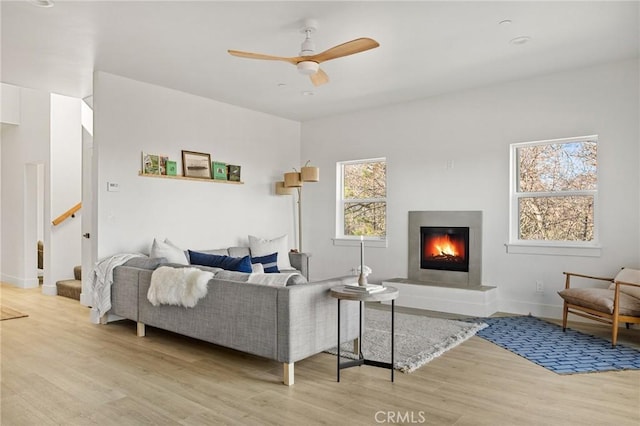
319,78
251,55
349,48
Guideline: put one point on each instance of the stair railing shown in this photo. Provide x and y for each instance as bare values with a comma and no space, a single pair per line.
64,216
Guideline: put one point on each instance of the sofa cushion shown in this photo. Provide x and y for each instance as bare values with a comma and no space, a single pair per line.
168,250
232,276
263,247
601,299
240,264
239,251
219,252
144,262
269,262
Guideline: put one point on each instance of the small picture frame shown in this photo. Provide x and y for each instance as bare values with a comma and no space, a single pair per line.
219,170
163,164
150,164
172,168
196,164
233,172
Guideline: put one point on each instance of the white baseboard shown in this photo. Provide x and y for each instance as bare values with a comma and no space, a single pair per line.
49,290
525,308
20,282
85,299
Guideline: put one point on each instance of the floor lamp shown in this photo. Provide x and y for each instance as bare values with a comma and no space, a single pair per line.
293,181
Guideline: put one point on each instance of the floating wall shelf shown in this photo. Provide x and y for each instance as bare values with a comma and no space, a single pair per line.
191,178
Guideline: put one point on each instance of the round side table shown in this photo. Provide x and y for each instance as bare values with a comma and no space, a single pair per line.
388,294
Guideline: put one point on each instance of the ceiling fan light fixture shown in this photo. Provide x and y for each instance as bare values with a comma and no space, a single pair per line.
308,67
307,48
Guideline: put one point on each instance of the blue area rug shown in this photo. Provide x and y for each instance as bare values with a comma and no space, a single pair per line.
567,352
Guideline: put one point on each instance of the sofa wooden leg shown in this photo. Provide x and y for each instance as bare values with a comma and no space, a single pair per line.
103,319
356,346
287,373
140,331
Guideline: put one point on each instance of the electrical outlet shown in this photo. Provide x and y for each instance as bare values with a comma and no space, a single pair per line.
539,287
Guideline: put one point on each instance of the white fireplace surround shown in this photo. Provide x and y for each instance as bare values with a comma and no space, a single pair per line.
444,219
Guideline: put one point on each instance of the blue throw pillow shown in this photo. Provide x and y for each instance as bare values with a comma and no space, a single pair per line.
240,264
269,262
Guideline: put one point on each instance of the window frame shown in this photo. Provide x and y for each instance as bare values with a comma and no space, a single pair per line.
340,237
554,247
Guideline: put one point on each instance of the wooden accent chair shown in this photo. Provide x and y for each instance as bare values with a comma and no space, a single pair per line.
620,302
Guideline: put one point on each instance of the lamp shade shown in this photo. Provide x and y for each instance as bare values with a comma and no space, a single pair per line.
282,190
310,174
292,180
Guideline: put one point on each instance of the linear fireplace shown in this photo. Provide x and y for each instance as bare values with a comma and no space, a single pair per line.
445,247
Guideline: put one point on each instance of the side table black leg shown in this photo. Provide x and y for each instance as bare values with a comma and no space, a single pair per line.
338,361
360,356
393,304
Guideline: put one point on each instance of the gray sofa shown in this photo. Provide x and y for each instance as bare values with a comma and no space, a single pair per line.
286,324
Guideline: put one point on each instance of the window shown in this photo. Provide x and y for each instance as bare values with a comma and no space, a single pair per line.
362,199
554,192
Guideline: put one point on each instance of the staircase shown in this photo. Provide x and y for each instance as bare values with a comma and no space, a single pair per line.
71,288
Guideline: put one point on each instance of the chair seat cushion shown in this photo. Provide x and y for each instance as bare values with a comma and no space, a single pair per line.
601,299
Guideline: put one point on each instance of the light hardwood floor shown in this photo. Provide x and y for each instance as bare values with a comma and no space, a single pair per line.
58,368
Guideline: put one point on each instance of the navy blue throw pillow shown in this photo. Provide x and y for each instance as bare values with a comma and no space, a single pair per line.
269,262
240,264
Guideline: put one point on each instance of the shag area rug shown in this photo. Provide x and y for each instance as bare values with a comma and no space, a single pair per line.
569,352
8,313
418,339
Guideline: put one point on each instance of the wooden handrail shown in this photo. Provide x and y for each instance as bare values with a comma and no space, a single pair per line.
64,216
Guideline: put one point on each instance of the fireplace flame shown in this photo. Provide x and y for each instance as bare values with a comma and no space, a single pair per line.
443,246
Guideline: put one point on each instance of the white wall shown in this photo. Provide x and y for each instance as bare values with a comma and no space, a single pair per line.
131,117
23,147
474,129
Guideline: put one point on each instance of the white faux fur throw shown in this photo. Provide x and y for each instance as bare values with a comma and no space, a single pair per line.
178,286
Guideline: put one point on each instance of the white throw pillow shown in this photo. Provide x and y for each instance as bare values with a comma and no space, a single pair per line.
263,247
257,268
168,250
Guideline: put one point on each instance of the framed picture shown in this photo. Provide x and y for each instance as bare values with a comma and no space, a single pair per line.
196,164
150,164
163,164
219,170
234,173
172,168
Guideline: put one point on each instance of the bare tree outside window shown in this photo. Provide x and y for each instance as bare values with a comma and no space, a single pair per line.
363,201
556,190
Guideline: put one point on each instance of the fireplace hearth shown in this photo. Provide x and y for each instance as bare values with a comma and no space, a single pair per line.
445,247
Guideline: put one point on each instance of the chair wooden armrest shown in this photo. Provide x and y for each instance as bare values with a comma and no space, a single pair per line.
625,283
591,277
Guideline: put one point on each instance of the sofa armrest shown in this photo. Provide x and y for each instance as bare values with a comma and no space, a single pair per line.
124,292
307,319
300,261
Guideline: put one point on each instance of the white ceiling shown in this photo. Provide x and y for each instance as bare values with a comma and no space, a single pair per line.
426,47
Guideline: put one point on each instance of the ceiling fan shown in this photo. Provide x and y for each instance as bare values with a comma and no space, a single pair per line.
308,61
